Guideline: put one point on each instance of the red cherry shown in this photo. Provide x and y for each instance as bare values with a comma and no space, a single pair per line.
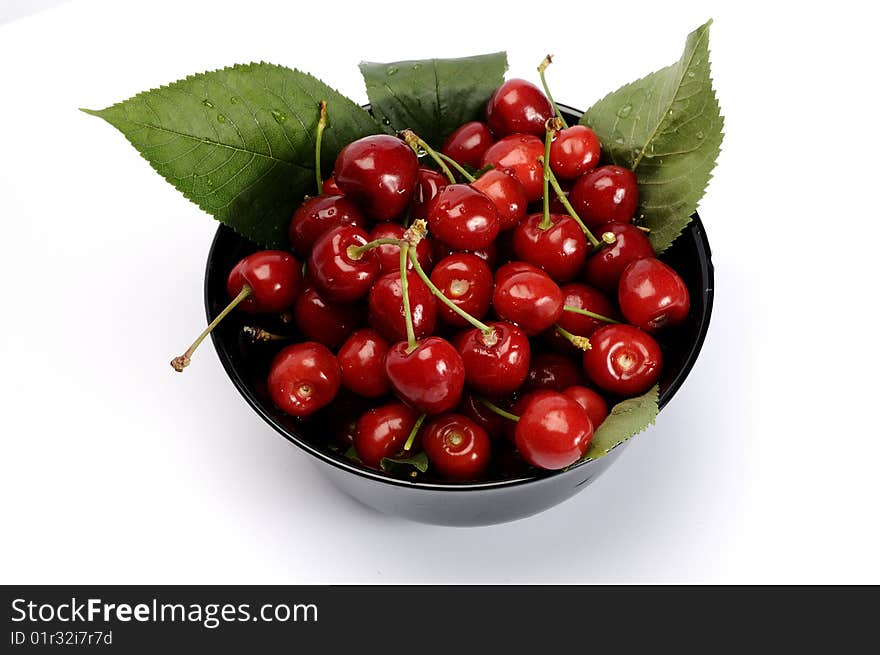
623,360
495,364
475,410
552,372
518,106
608,194
322,321
652,295
467,144
594,404
530,299
330,188
553,431
319,215
574,151
560,250
581,296
274,277
429,378
378,172
303,378
385,306
362,362
389,254
382,432
511,268
428,186
335,272
556,206
456,447
462,218
489,254
506,193
467,281
604,268
518,155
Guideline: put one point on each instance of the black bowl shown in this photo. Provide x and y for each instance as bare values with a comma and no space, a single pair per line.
481,503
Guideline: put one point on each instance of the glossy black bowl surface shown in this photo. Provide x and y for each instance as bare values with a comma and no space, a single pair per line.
480,503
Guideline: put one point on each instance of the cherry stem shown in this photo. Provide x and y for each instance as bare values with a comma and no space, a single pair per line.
497,410
482,327
571,212
417,143
412,434
541,68
581,343
587,312
356,252
545,223
319,135
181,362
404,292
461,169
259,334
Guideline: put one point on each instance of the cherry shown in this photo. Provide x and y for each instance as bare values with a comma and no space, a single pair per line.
592,402
428,186
556,206
463,218
574,151
456,447
389,254
549,371
330,188
497,363
581,296
530,299
320,214
339,270
608,194
380,173
467,281
385,306
506,193
553,431
623,360
264,282
652,295
472,407
559,248
382,432
467,144
511,268
604,268
362,362
303,378
428,377
518,106
518,155
489,254
322,321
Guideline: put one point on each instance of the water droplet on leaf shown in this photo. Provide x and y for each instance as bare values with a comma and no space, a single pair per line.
207,103
391,70
624,111
279,116
221,118
233,100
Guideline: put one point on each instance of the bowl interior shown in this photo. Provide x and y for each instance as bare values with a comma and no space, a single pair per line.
248,363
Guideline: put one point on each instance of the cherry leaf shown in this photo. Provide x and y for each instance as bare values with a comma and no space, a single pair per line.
626,419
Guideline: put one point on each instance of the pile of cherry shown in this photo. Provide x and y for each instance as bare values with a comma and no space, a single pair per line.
465,305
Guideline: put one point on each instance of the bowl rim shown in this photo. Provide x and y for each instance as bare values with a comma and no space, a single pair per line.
341,462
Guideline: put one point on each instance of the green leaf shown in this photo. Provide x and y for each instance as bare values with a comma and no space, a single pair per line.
626,420
432,97
667,127
240,142
402,464
351,454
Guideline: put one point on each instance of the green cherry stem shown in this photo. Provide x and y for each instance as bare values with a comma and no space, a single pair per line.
541,68
404,292
181,362
571,212
319,135
497,410
417,143
581,343
259,334
545,223
412,434
461,169
587,312
356,252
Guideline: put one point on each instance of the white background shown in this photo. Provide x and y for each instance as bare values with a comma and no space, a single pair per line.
116,470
